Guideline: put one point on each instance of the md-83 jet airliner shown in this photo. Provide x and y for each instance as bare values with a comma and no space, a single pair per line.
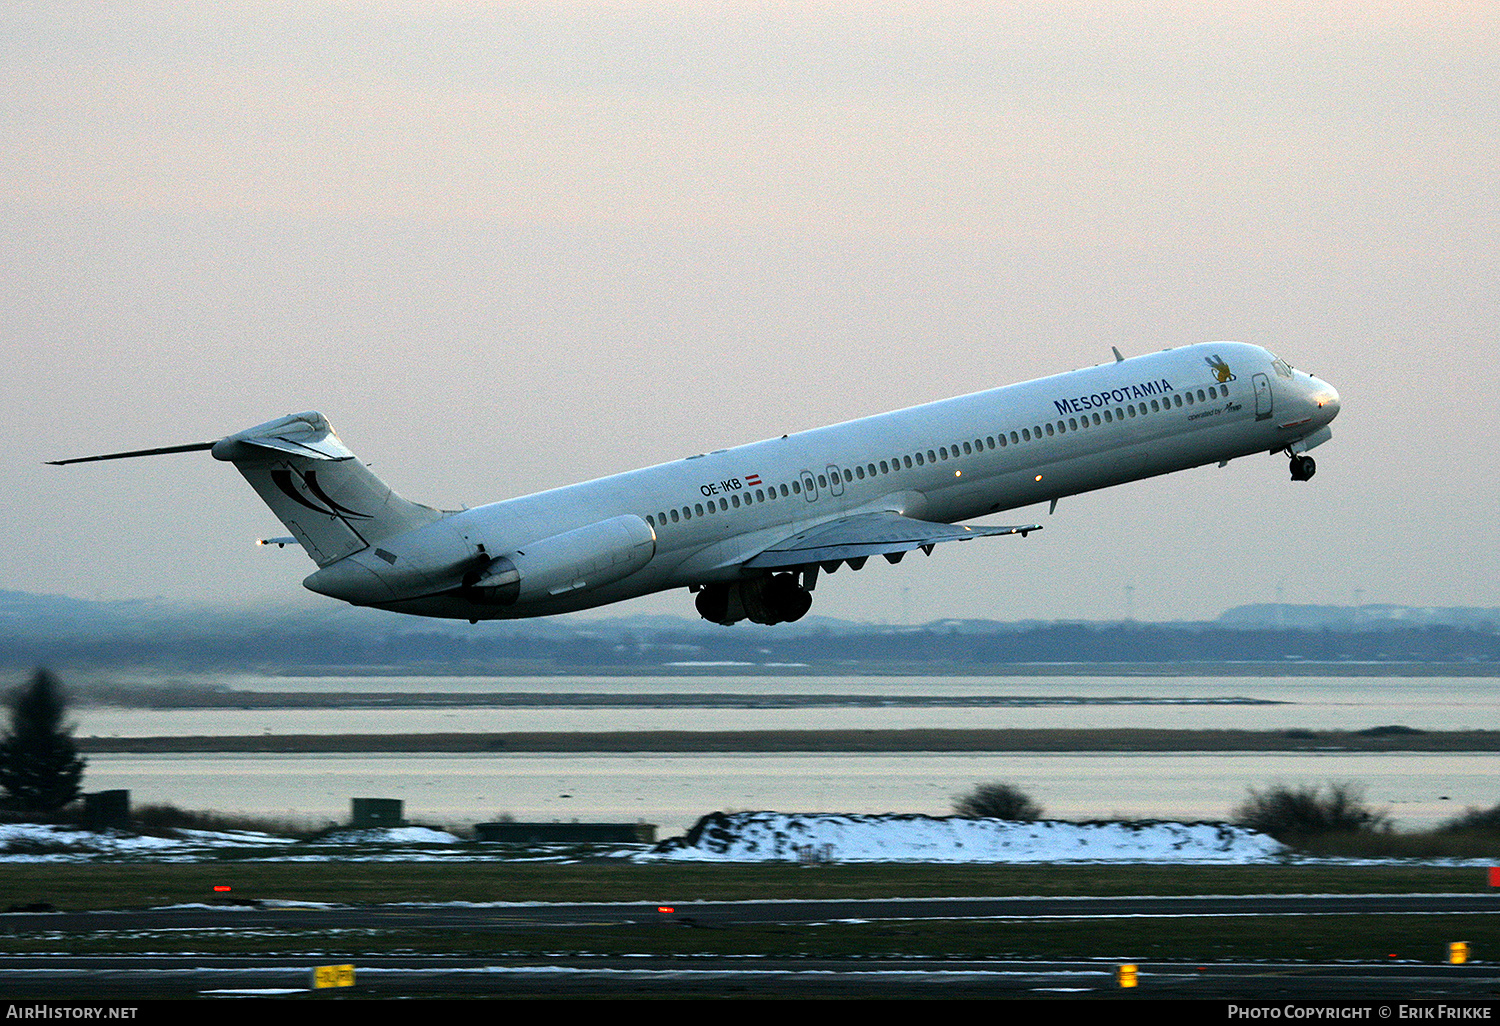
748,529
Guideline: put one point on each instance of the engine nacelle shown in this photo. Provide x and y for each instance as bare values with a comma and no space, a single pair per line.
586,557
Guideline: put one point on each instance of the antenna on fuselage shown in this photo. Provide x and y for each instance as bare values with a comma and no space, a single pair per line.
1116,351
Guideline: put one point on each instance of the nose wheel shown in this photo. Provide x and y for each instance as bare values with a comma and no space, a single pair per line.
1303,468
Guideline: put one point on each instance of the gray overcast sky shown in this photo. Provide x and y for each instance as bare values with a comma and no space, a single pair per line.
509,246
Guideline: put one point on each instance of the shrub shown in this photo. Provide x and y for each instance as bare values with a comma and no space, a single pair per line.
166,820
1482,820
998,800
1292,814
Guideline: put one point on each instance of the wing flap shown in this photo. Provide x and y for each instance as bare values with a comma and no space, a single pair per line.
869,534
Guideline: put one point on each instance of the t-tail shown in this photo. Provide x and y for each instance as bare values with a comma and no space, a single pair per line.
330,501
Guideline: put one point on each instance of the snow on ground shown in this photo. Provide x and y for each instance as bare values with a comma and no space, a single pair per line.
24,842
39,842
829,837
719,837
391,835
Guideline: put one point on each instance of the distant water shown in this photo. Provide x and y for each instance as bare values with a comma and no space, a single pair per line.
674,790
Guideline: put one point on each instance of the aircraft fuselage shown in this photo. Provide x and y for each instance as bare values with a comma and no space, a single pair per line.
702,522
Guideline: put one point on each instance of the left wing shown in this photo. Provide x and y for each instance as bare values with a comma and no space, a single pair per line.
858,537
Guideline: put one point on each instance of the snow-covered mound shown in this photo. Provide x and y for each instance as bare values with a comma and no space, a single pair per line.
830,837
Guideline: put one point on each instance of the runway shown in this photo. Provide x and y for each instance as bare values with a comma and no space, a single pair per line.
504,915
130,977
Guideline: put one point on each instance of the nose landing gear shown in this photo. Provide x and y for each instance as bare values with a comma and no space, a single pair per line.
1303,467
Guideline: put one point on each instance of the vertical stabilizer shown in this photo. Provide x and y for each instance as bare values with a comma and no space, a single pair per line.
327,498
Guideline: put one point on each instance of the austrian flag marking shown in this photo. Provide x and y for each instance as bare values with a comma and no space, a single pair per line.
752,479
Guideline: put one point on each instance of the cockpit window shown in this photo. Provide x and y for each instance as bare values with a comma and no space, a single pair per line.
1283,369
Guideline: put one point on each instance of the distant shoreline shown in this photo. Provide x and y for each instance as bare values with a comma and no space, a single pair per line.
1377,740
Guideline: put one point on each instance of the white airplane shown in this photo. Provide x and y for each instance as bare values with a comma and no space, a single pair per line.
747,529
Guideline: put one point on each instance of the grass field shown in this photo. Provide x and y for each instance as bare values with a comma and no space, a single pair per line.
86,886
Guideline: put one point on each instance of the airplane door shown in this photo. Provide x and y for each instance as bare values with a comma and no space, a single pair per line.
835,480
1262,396
809,486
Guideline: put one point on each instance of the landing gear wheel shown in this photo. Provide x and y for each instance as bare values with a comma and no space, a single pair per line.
1303,468
713,604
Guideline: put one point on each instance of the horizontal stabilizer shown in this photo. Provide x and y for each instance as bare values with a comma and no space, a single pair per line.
161,451
869,534
307,435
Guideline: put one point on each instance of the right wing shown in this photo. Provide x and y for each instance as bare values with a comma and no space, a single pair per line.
856,538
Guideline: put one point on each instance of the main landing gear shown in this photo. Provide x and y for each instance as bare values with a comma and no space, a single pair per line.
1303,467
776,598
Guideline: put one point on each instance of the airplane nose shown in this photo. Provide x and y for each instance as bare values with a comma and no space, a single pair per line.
1327,398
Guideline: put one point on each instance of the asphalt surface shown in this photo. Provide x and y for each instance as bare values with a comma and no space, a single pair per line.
136,977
